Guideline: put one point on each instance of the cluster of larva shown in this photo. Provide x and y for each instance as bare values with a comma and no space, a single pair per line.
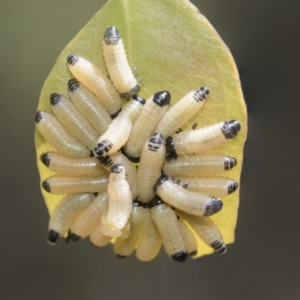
168,198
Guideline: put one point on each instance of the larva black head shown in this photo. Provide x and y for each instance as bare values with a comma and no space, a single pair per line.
53,236
229,163
131,92
118,168
54,99
170,149
106,160
114,115
231,128
155,201
136,202
180,257
131,158
73,85
146,205
72,59
193,253
45,159
139,99
96,194
160,181
232,187
201,94
74,237
162,98
155,142
111,36
39,115
102,148
219,246
214,206
120,256
46,186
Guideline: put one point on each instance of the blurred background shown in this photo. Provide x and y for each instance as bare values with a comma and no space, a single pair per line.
263,36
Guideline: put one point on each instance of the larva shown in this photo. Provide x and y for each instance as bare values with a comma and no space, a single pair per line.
218,187
92,78
124,247
150,115
56,135
181,112
119,129
89,106
119,202
150,240
97,238
64,214
188,237
166,222
72,167
204,139
198,165
73,120
118,158
72,185
206,230
193,203
87,221
149,170
117,64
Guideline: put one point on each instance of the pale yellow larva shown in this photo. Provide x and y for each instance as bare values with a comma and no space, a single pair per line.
150,115
64,214
98,239
72,167
57,136
193,203
181,112
119,202
87,221
118,158
72,185
117,65
206,230
188,238
92,78
166,222
150,240
73,120
218,187
204,139
89,106
198,165
124,247
152,158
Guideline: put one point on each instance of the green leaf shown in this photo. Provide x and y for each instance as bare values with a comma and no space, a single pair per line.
175,48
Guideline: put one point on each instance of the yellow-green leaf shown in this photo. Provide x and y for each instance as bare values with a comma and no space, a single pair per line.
175,48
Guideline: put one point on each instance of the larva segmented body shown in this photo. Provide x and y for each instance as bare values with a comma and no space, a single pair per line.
198,165
98,239
150,240
150,115
188,238
87,221
124,247
152,158
166,222
181,112
57,136
201,140
193,203
64,214
58,185
89,106
72,167
73,120
119,203
219,187
117,64
92,78
206,230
